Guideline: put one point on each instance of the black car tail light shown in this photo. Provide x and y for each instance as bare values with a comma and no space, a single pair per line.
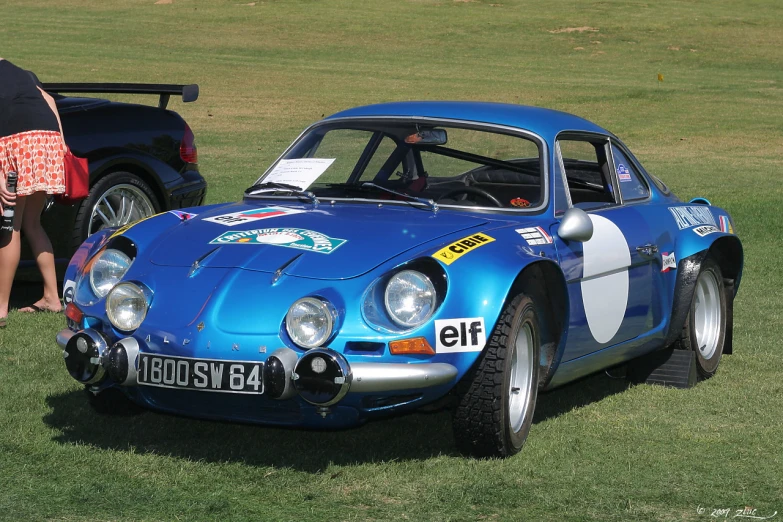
187,149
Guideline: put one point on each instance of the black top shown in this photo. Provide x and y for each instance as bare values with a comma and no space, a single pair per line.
22,107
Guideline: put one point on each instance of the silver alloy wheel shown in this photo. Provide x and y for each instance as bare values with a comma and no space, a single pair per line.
707,313
120,205
521,376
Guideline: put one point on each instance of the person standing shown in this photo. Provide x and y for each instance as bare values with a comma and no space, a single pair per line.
32,145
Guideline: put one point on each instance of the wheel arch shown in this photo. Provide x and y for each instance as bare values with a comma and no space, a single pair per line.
728,253
155,173
544,282
142,171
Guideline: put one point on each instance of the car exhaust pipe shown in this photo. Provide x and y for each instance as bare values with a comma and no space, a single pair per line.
83,353
121,361
322,377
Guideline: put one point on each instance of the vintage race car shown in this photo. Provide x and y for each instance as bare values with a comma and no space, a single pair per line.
400,254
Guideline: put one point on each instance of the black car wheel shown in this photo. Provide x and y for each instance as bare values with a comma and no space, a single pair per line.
115,200
498,395
705,328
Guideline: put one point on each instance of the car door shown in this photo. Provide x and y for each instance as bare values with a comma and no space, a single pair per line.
610,276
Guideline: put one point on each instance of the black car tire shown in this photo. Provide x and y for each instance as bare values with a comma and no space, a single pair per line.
111,186
705,327
491,420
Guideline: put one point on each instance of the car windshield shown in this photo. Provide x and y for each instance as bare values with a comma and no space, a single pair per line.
406,160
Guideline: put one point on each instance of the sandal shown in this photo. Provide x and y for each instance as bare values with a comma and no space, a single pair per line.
3,321
34,309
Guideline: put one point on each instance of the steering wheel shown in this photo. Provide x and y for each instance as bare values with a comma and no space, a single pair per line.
471,191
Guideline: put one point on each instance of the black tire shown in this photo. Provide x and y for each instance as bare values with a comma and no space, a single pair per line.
709,293
106,185
484,421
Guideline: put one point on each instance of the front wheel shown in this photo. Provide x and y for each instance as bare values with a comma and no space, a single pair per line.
705,328
117,199
495,408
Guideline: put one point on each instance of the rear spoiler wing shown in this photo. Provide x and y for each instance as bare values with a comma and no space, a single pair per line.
189,93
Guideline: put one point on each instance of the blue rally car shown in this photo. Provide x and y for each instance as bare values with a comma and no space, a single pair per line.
400,254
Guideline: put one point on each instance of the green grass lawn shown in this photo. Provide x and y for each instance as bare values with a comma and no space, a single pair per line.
599,449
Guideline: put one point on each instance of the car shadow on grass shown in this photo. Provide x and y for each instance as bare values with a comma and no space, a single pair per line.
415,436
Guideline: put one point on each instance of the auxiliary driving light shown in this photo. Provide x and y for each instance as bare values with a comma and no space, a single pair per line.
83,356
121,361
322,377
278,369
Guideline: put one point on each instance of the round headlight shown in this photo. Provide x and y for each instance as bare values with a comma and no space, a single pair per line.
126,306
309,322
107,271
410,298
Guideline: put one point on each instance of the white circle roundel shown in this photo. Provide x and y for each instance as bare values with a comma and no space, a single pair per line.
605,285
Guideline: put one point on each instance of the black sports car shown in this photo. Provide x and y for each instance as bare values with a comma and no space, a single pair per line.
143,160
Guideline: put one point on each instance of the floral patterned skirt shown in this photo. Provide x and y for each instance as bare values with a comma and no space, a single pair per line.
37,158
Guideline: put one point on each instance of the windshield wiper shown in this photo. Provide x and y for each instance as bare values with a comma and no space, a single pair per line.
428,202
260,188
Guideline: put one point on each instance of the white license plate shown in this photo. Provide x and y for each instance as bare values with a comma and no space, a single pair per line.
213,375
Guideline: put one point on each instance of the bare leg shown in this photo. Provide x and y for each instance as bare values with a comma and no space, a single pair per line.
42,251
9,257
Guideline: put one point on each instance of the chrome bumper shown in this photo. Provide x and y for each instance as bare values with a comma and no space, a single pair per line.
63,336
383,377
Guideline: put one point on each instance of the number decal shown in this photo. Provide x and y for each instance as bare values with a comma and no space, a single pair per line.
237,381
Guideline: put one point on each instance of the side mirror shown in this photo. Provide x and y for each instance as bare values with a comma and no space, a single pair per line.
575,226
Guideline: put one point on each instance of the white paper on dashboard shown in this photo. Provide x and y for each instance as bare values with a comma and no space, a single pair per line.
298,172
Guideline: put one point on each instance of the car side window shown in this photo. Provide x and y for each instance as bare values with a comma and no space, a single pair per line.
632,185
587,173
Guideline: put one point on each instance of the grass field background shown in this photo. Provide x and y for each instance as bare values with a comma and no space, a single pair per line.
599,449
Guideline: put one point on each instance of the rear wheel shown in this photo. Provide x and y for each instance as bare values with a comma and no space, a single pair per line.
115,200
495,407
705,328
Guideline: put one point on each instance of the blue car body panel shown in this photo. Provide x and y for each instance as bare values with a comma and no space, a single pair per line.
218,294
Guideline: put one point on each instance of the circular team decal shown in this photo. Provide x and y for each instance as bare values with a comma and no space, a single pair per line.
278,237
605,298
519,202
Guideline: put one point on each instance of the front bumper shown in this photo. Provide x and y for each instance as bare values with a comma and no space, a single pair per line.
363,378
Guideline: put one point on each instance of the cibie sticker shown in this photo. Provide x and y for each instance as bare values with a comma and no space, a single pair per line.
459,248
687,217
668,262
283,237
460,335
623,173
68,290
246,216
535,236
705,229
725,225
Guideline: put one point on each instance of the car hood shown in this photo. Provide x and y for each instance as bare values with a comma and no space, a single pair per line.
327,242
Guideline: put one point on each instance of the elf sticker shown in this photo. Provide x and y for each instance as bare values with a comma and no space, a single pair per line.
460,335
246,216
284,237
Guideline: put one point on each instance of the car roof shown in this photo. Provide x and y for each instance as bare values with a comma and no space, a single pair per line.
547,123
